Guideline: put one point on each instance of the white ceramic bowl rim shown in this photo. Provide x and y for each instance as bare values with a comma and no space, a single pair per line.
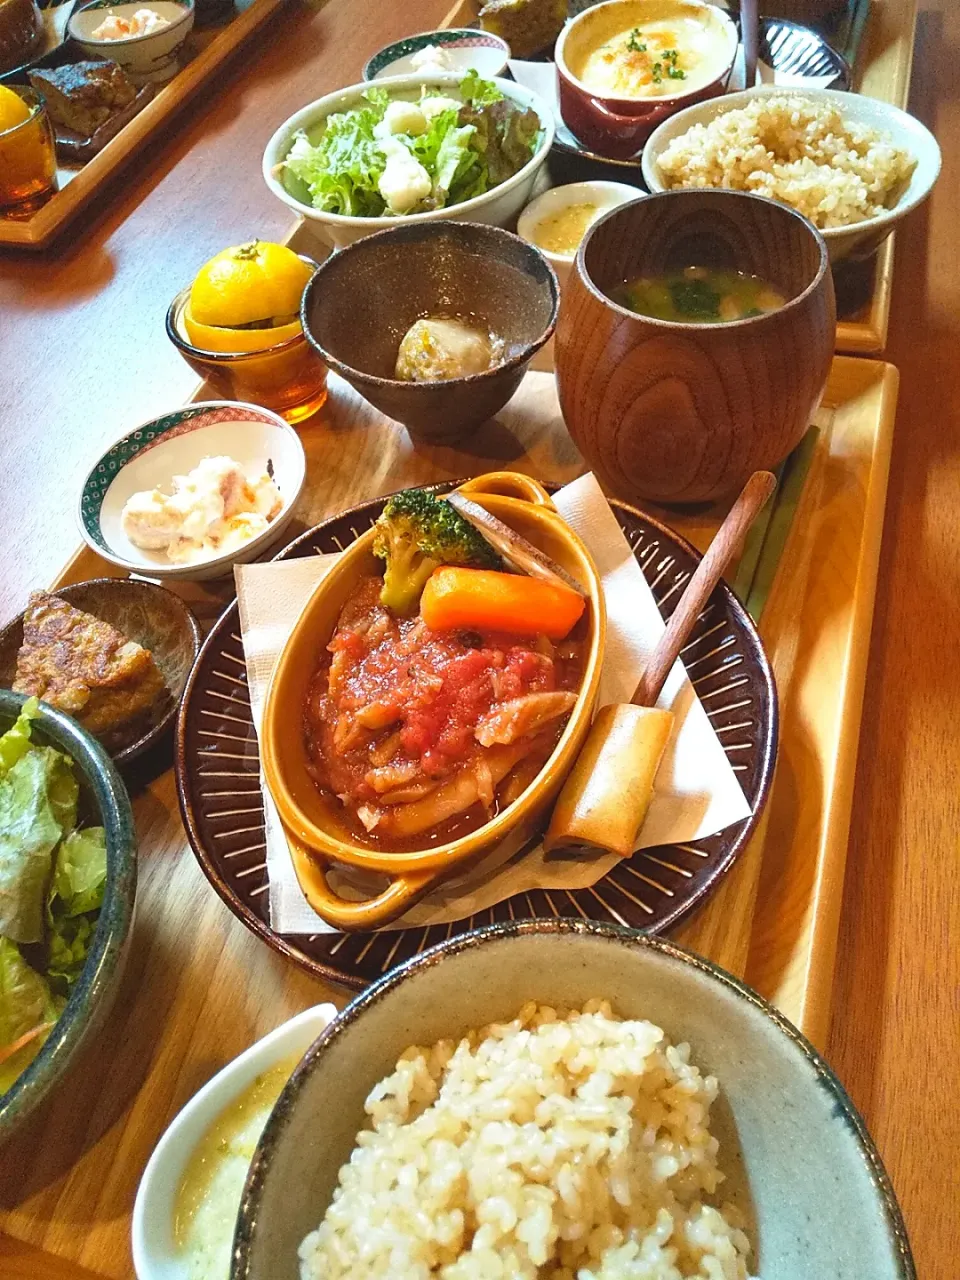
686,325
343,99
900,122
723,69
242,408
261,1055
826,1077
186,5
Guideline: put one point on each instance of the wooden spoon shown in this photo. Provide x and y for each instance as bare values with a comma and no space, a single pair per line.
605,799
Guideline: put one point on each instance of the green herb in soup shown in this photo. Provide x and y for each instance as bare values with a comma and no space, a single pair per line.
700,295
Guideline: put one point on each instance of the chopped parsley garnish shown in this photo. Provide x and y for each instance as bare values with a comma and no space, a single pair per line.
673,71
634,43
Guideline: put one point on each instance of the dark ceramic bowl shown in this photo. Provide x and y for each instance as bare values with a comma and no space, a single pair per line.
103,802
144,612
680,412
799,1162
364,298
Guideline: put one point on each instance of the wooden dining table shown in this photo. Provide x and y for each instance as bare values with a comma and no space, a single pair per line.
83,358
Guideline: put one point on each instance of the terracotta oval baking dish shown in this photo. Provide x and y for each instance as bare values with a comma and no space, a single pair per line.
315,827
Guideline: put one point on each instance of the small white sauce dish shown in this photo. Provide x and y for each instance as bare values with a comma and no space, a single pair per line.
150,57
172,445
155,1252
605,195
463,49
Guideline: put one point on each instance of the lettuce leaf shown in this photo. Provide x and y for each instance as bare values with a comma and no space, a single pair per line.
465,151
38,801
478,91
28,1009
79,873
70,941
15,743
342,169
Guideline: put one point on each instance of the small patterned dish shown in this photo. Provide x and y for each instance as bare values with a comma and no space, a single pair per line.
150,456
465,49
103,801
151,57
144,612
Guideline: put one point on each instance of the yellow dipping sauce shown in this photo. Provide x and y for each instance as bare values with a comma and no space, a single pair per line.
562,232
210,1190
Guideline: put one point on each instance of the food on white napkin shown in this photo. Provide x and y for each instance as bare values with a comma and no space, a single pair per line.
697,791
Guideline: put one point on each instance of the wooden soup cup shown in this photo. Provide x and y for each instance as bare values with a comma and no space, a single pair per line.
317,833
681,413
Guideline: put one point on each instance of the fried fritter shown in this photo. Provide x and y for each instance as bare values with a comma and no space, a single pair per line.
85,667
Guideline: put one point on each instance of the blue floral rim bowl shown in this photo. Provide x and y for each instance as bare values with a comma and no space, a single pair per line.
462,48
104,799
798,1163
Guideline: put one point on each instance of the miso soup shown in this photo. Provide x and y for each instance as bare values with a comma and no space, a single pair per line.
700,295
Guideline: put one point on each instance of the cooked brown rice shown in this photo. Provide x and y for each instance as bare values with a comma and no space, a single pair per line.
561,1145
794,149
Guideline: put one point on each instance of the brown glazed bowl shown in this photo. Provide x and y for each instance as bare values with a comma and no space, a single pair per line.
680,413
617,126
142,611
365,297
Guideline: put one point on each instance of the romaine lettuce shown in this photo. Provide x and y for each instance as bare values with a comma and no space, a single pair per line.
465,150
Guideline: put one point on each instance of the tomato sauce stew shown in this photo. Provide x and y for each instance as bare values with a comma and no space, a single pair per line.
426,735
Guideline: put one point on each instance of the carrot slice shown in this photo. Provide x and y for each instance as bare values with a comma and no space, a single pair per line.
491,601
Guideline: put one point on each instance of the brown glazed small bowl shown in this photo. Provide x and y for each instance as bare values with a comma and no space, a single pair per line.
365,297
142,611
679,413
617,126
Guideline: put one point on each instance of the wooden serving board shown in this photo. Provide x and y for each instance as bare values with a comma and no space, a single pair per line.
206,51
882,70
200,988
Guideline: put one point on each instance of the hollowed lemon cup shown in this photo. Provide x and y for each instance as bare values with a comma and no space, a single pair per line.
315,825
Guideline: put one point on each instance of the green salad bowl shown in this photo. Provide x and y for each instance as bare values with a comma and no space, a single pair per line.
103,802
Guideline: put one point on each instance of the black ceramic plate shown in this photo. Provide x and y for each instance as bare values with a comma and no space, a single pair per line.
218,773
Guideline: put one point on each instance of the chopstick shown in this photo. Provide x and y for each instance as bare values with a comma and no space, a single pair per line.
795,472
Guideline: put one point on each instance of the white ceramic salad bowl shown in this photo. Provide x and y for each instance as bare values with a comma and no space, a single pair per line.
499,206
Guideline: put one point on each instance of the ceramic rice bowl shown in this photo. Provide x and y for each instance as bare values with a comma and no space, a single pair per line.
800,1166
315,826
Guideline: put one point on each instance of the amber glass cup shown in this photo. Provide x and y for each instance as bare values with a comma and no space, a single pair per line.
289,378
28,161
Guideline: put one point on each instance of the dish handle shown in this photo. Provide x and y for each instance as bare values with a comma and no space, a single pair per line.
344,913
509,484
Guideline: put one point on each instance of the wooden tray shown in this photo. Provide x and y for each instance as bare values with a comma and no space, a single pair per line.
200,988
883,41
207,49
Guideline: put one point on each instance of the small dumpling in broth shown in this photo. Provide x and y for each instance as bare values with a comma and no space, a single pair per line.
441,347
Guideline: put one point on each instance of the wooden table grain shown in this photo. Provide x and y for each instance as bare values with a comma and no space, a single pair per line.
82,358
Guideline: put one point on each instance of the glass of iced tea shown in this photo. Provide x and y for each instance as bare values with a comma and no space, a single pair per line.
28,160
287,377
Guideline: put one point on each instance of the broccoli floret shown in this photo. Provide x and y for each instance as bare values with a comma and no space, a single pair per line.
415,534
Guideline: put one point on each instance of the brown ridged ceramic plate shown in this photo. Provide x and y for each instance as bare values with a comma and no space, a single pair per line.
218,773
